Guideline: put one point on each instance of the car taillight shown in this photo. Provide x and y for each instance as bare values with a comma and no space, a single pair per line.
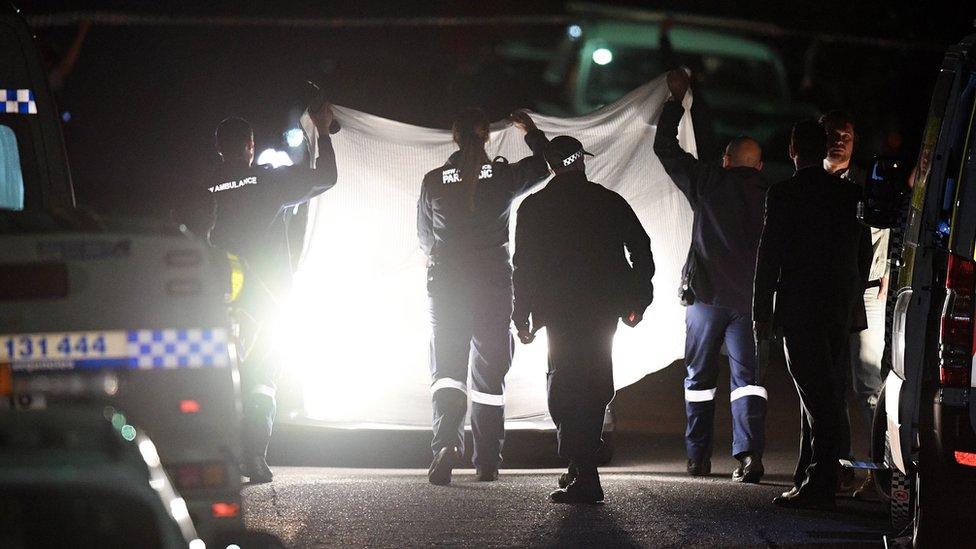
965,458
225,509
33,281
196,476
956,333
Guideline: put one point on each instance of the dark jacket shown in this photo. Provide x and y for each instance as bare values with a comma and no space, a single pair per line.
251,205
728,218
449,232
814,254
570,257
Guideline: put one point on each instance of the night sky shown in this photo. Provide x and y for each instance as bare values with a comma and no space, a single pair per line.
144,99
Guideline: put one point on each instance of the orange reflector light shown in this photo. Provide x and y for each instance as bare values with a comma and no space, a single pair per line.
189,406
225,510
965,458
6,380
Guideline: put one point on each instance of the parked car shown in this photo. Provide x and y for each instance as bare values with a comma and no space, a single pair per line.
925,427
132,303
69,478
604,56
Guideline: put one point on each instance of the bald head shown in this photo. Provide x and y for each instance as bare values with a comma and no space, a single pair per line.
743,152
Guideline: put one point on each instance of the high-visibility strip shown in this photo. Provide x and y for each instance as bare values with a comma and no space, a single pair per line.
749,390
487,398
266,390
703,395
448,383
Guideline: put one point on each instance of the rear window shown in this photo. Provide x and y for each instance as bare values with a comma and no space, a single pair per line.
628,68
11,175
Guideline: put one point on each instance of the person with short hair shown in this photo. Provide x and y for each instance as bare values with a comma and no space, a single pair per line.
727,201
867,346
249,205
813,257
573,276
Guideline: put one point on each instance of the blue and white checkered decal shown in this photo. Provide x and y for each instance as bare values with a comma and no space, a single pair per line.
128,349
194,348
18,101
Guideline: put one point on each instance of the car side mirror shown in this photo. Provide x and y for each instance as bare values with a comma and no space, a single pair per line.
885,188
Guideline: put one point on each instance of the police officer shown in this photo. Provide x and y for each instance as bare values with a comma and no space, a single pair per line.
462,224
727,201
251,204
573,276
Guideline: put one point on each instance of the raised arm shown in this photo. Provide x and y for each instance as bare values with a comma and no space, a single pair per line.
687,172
769,259
299,184
531,169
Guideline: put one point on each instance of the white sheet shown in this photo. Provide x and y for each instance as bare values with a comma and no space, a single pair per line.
359,328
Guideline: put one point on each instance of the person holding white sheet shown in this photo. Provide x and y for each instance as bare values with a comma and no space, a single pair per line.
462,223
727,201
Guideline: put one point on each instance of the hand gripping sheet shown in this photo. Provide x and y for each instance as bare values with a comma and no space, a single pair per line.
358,327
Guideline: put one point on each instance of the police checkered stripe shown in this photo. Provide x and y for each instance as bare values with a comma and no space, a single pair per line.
172,348
900,497
18,101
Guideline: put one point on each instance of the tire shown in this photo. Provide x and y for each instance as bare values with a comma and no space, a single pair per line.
941,509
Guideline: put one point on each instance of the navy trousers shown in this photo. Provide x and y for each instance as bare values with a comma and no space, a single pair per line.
707,328
470,311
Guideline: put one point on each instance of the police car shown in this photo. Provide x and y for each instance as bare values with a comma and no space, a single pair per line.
76,478
130,315
925,426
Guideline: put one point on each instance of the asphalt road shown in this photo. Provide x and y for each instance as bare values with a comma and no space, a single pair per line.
324,496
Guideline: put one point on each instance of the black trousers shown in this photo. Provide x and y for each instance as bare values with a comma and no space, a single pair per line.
261,370
817,359
580,382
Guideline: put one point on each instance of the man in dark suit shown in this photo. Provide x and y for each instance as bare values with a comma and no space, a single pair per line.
814,256
573,276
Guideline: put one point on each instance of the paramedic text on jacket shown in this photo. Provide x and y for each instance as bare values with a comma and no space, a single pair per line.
462,224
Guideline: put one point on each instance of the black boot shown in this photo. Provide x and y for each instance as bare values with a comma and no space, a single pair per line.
585,488
569,476
750,469
256,469
487,474
699,467
444,462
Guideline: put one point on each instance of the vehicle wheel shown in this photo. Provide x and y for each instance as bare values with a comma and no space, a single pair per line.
940,512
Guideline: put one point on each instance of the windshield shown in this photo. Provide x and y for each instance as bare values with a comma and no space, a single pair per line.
626,68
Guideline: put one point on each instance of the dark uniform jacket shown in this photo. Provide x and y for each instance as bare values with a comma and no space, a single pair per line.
570,256
814,254
449,232
728,218
251,204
